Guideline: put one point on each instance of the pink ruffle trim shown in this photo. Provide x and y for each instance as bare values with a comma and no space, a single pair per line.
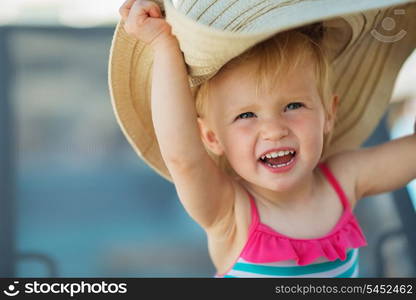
303,251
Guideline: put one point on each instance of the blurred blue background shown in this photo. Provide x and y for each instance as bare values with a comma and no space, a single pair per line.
76,201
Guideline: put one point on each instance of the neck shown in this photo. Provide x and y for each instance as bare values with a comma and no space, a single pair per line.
296,197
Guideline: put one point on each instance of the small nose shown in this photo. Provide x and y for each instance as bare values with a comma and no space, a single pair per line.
274,130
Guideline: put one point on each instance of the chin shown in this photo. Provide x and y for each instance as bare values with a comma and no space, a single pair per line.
281,186
286,182
271,184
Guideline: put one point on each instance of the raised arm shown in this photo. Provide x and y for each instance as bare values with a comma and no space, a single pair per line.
175,120
387,167
381,168
173,112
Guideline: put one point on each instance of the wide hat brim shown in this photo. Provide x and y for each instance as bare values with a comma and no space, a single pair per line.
366,56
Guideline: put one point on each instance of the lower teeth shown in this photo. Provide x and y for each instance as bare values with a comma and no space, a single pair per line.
280,165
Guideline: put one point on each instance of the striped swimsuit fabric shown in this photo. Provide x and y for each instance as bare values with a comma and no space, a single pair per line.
338,268
267,253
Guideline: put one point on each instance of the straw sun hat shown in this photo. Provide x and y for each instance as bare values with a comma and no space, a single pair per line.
368,41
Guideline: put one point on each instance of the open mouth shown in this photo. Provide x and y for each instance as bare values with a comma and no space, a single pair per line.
278,159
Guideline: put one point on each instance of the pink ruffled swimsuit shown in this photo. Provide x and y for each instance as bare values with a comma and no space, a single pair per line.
268,253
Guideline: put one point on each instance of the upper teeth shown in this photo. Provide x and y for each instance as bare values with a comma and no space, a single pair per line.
277,153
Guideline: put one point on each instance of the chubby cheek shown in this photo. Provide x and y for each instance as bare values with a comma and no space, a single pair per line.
239,145
310,131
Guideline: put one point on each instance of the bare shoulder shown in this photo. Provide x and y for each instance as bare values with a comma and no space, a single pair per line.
342,167
227,238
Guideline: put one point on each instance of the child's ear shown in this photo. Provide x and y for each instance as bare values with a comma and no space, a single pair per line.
209,138
331,114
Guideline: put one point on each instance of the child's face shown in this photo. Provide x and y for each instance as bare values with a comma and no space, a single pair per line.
244,127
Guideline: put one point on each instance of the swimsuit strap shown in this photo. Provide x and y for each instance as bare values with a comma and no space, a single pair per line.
335,184
255,219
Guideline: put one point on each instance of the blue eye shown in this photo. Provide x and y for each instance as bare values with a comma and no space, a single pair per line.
245,115
294,105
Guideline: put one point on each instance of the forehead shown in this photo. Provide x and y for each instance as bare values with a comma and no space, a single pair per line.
239,85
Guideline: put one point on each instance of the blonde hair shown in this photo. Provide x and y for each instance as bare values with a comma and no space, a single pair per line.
274,58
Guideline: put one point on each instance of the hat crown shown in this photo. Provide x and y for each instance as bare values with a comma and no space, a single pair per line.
242,21
234,15
259,16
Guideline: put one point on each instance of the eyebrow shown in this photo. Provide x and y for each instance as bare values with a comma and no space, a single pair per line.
251,107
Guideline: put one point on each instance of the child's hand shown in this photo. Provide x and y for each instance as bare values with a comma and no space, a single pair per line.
144,20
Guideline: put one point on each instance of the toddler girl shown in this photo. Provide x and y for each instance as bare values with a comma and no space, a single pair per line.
246,153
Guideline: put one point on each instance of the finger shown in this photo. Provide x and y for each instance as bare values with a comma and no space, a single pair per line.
141,10
155,12
125,9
